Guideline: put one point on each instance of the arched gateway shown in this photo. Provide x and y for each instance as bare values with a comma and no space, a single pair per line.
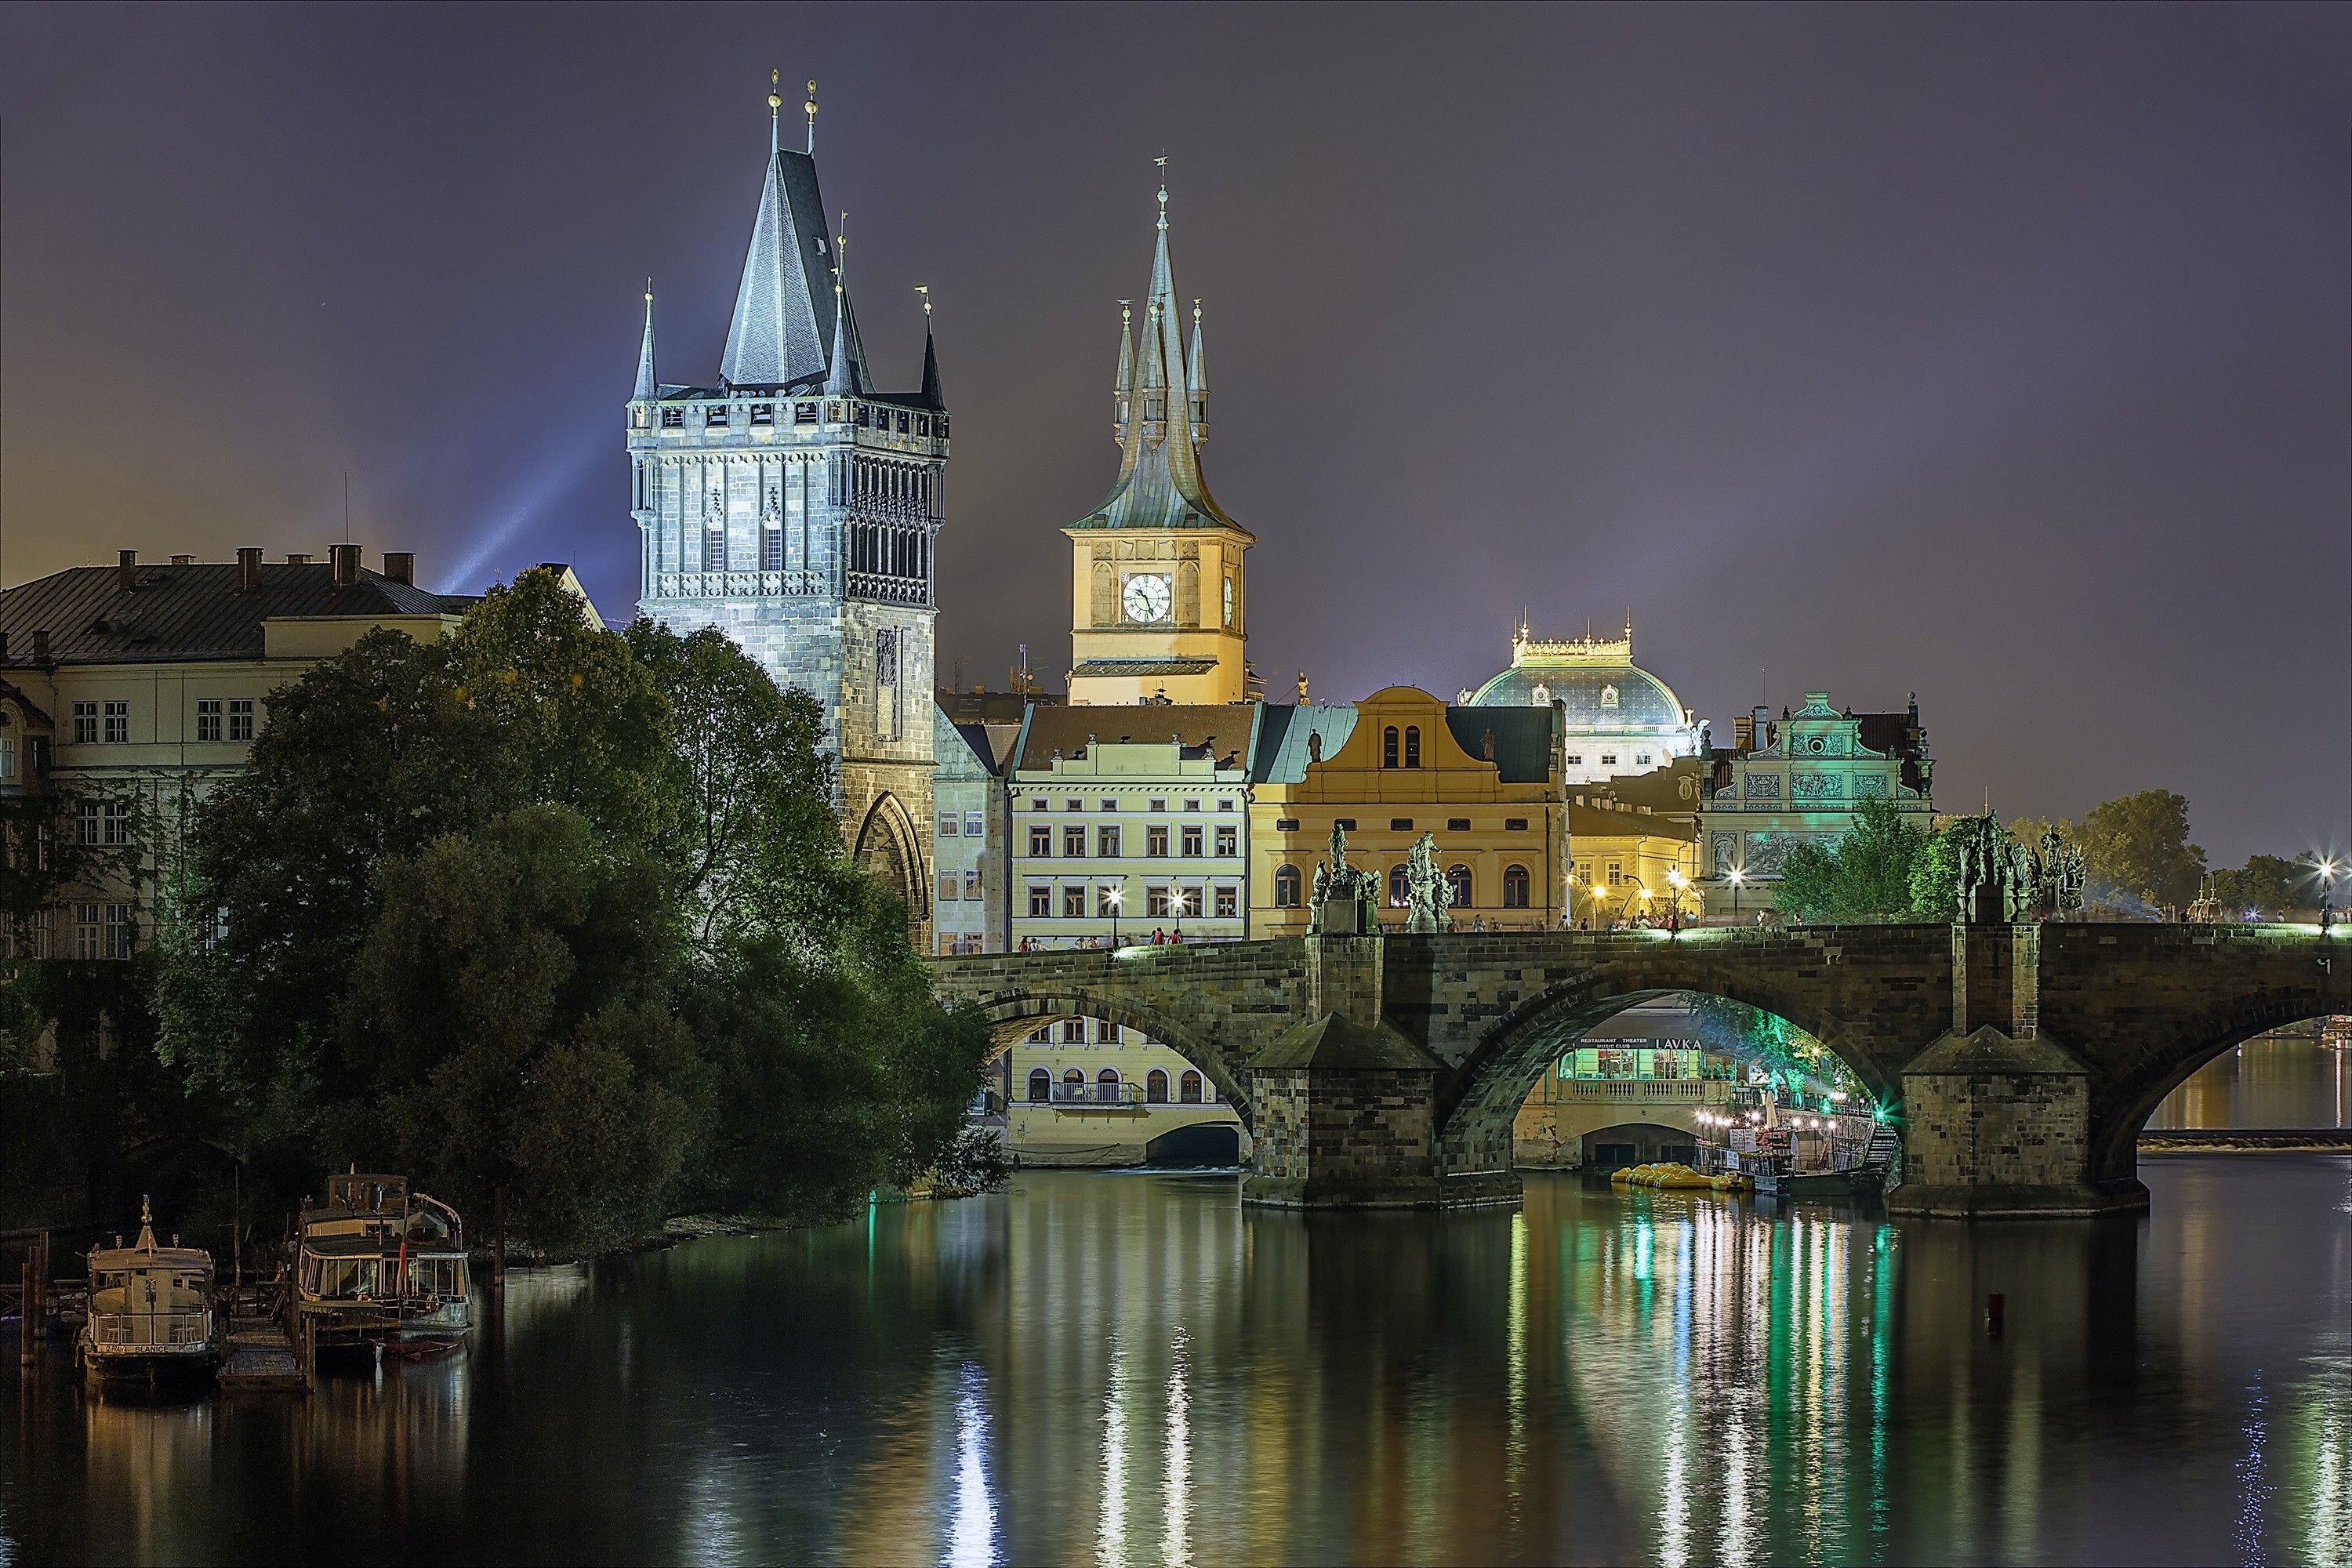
2019,1061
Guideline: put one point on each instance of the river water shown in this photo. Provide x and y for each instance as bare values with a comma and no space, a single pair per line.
1115,1368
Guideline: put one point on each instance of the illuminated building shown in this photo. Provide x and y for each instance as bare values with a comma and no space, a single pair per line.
1616,717
794,507
1156,586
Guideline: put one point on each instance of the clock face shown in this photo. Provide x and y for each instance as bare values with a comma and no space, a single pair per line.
1146,597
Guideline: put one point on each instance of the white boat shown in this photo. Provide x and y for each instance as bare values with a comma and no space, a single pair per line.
151,1310
378,1265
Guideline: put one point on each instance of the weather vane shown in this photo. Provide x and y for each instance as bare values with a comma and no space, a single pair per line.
775,106
925,290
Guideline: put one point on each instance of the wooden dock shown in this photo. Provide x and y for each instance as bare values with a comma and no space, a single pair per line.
262,1356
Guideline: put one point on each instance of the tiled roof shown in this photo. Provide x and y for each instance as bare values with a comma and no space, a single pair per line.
189,612
1220,730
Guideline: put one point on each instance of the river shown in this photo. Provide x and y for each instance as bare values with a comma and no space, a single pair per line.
1116,1368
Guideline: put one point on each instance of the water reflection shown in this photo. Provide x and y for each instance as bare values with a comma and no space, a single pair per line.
1136,1370
2273,1080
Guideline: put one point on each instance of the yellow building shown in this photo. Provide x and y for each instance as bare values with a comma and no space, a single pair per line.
1400,764
1636,847
1156,586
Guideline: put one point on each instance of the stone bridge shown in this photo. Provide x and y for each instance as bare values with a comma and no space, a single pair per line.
2019,1061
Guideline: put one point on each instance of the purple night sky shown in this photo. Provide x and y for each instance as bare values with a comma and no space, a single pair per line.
2003,354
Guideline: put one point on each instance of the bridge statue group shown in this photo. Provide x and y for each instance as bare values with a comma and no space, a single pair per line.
2019,1055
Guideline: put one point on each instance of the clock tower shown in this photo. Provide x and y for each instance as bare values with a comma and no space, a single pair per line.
1157,583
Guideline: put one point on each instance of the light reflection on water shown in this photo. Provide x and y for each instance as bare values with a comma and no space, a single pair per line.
2274,1081
1136,1370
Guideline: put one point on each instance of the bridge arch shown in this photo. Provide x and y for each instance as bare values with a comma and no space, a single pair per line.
2120,1113
1478,1104
1012,1018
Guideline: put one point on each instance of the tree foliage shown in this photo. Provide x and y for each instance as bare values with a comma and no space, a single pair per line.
2269,887
559,910
1865,875
2137,846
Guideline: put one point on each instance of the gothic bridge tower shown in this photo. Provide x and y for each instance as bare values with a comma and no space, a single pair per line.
794,507
1157,587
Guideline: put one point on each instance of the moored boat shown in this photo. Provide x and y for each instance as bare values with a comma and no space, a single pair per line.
378,1265
151,1310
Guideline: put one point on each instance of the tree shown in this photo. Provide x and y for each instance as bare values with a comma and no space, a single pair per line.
2268,885
1865,875
2138,845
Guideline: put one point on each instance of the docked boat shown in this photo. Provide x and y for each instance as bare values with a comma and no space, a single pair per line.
150,1310
380,1266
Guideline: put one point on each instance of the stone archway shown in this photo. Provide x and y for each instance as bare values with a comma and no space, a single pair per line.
1011,1018
2119,1112
889,847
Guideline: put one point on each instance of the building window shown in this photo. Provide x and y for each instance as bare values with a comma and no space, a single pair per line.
763,413
1158,803
673,418
1457,824
1073,1033
1036,802
714,415
1106,841
1107,1085
102,823
1155,841
1344,824
1155,903
1192,805
971,884
1285,825
1229,841
1616,872
1641,760
1188,1087
1388,747
118,722
949,946
1073,901
948,883
1074,843
1515,886
1191,841
240,718
85,718
1458,877
1155,1087
88,930
1285,888
7,756
804,412
972,826
1608,759
1229,903
1041,901
1399,825
1515,824
1108,804
1575,759
1412,745
1400,891
948,823
1226,804
1041,1082
1041,843
208,717
1073,803
1043,1034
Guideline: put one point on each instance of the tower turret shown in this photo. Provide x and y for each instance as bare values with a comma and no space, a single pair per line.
1122,394
1196,381
648,385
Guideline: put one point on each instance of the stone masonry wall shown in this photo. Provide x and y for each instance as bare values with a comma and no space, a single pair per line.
2009,1130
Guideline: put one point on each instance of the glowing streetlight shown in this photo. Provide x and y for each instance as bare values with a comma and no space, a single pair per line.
1114,897
2325,871
1738,878
1675,910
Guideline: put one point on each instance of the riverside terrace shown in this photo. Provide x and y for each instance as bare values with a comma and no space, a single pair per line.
2020,1061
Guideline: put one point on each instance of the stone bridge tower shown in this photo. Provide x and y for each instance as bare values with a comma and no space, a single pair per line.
794,507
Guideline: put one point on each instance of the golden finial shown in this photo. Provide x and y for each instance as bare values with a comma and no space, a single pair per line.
1196,312
811,107
649,290
925,290
1126,311
775,97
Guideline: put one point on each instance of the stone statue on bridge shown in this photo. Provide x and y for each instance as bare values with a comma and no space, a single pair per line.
1352,889
1427,894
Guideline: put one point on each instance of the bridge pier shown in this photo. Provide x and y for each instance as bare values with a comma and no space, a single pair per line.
1999,1115
1344,1106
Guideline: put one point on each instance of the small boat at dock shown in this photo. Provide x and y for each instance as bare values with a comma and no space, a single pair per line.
380,1266
151,1312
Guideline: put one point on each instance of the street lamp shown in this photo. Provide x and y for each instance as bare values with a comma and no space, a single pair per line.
1739,877
1114,897
2326,874
1675,910
1184,899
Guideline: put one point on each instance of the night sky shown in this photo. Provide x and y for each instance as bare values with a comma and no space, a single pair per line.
1998,353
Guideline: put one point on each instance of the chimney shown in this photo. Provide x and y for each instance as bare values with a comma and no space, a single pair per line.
344,561
1760,721
249,569
400,566
296,558
126,570
40,648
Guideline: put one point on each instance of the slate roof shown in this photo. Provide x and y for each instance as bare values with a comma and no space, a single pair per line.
1522,739
1221,729
1282,738
782,328
193,612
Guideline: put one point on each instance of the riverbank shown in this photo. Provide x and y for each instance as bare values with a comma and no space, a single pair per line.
2247,1141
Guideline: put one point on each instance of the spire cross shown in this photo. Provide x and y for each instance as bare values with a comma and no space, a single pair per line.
925,290
1162,161
775,109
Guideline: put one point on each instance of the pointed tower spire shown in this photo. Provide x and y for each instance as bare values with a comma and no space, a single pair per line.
841,375
933,397
648,386
775,111
1196,381
1122,392
781,330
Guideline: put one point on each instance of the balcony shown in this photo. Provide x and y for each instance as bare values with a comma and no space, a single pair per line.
1086,1097
1644,1090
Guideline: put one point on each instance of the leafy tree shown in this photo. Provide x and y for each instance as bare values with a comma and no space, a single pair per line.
1865,874
2268,885
2138,845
